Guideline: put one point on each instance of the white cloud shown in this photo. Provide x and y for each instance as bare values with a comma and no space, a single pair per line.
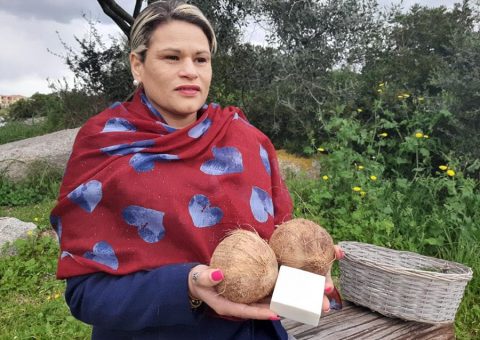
29,30
58,10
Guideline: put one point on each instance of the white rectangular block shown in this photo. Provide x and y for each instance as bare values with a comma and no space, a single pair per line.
298,295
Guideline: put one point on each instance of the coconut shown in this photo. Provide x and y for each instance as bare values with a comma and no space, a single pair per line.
303,244
248,264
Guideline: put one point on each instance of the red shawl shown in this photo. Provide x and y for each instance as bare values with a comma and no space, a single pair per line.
137,195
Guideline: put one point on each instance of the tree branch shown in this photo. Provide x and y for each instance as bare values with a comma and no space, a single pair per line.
118,10
118,14
138,7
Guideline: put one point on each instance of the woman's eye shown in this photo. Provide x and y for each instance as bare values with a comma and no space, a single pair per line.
171,57
202,60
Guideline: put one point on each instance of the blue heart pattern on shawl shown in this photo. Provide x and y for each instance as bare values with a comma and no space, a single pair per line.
227,160
115,105
261,204
126,149
148,221
103,253
236,116
56,223
202,214
143,162
265,160
118,125
87,195
199,130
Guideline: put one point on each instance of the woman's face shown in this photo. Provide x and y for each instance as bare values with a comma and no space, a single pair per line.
177,71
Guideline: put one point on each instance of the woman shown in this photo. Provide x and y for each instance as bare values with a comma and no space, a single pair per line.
154,184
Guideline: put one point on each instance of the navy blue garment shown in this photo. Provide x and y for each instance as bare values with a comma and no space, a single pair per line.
154,305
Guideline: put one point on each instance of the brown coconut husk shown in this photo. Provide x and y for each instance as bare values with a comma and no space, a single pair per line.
249,267
303,244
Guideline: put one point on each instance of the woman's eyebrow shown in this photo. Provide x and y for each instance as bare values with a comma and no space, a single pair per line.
170,49
176,50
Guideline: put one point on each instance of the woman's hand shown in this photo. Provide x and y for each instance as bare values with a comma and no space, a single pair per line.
203,288
330,290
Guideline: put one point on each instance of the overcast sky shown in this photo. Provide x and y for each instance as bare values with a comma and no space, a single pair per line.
28,30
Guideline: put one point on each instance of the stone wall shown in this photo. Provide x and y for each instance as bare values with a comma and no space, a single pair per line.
53,148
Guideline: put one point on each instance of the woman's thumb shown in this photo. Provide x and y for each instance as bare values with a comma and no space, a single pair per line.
216,275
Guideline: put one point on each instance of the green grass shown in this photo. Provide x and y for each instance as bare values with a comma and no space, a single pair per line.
392,214
41,181
32,299
13,131
37,213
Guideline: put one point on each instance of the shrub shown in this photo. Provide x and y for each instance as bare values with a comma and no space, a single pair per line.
42,182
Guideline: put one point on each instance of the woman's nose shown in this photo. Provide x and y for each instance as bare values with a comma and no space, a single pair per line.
188,69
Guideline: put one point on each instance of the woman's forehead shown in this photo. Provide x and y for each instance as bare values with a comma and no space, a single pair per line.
178,34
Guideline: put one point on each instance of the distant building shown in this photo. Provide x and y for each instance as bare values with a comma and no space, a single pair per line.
6,101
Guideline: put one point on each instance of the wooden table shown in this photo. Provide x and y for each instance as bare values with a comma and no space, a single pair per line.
354,322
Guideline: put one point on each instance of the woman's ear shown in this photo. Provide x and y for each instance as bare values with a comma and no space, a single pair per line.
136,66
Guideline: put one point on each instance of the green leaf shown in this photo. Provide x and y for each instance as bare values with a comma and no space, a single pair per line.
433,241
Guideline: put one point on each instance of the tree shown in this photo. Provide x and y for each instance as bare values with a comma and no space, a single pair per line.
100,68
458,77
38,105
314,39
323,34
432,53
416,43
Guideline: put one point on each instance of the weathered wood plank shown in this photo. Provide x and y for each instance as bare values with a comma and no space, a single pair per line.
357,323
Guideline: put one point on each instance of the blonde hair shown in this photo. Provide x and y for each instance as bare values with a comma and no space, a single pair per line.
161,12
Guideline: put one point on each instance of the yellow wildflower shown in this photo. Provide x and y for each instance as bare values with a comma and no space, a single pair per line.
362,193
426,136
56,296
443,167
29,233
373,178
383,134
321,149
421,99
360,167
381,84
357,189
380,91
451,172
325,178
406,95
359,110
36,219
400,96
419,135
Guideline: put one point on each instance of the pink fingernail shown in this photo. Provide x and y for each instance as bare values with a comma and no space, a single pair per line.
217,275
274,318
328,290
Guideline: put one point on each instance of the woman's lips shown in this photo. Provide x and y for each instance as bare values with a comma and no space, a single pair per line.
188,90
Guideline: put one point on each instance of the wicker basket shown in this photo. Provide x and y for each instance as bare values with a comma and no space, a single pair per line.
402,284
